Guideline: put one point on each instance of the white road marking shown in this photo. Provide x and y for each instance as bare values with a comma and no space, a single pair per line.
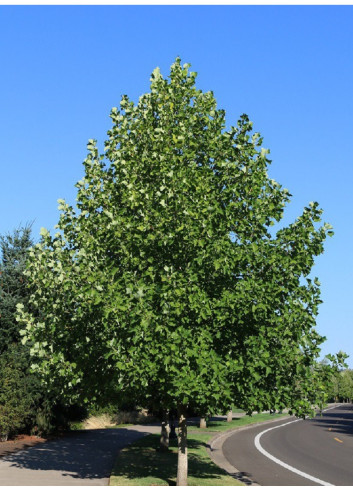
283,464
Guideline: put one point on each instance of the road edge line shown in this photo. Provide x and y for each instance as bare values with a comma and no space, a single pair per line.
284,464
215,446
215,452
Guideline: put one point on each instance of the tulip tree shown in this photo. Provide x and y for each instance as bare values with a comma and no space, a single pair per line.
165,280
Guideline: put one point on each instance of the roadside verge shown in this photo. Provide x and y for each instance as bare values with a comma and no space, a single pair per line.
142,464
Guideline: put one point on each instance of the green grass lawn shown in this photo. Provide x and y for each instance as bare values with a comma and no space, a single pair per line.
142,464
222,425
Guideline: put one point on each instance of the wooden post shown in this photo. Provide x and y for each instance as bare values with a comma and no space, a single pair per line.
203,423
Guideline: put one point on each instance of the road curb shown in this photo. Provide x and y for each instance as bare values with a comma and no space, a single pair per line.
215,452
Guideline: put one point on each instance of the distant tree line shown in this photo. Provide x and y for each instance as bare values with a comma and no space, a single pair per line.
341,387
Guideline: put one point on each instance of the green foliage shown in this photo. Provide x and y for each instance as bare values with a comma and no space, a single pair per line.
13,254
53,416
346,385
317,385
166,280
18,394
19,389
24,402
341,388
110,409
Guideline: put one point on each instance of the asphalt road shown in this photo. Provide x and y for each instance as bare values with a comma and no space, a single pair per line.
321,447
82,458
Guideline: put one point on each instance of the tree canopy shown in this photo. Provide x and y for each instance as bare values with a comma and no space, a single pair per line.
165,278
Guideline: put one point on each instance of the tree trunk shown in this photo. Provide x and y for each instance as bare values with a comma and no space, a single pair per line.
203,423
182,475
172,433
229,416
165,430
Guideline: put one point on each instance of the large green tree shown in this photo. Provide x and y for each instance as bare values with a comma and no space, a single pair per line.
165,279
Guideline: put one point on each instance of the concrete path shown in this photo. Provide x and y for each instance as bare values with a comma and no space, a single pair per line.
81,458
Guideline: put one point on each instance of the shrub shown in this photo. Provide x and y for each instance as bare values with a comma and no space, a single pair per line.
16,399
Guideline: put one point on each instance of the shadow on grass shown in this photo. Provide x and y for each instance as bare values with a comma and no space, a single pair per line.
214,422
143,464
138,464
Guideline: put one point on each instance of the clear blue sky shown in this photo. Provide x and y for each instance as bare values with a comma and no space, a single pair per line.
288,67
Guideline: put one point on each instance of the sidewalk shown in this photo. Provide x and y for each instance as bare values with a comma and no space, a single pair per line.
86,457
80,458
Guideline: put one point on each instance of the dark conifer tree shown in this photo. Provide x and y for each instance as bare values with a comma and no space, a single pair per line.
13,254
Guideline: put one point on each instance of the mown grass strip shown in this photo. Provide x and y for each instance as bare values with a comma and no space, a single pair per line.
223,425
142,464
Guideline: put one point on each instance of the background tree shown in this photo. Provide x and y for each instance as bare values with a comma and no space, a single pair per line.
24,402
13,253
341,389
19,390
19,393
166,279
322,378
346,385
